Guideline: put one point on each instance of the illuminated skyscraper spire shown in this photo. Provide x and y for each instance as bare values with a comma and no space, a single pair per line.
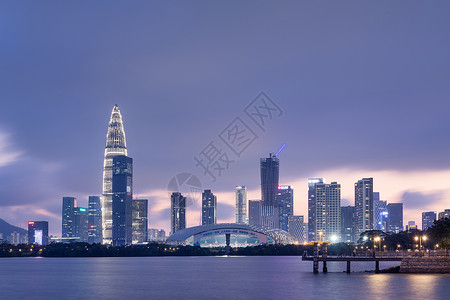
115,145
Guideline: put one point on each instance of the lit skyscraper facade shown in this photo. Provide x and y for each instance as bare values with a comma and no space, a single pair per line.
428,219
364,209
380,212
285,198
115,146
140,221
38,232
254,212
348,224
209,208
395,217
328,211
80,224
312,207
297,228
178,212
94,220
122,188
68,206
270,170
241,205
444,214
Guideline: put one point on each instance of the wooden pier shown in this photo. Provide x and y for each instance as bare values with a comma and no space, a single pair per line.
324,258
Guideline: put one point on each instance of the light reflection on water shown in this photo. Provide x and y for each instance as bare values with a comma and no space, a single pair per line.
207,278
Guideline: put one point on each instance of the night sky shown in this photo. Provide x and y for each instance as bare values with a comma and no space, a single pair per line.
362,87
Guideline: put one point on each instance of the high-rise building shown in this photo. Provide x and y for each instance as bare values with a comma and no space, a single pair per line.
94,220
178,212
296,228
285,198
348,224
444,214
328,211
115,146
38,232
428,219
270,169
68,206
80,224
140,221
364,209
254,212
156,235
122,188
241,205
312,206
395,217
209,208
411,226
380,212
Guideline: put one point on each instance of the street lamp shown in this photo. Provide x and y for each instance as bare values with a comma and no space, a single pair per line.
377,239
320,235
420,238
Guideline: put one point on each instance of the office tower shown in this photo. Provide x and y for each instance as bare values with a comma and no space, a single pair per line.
269,180
380,213
312,206
38,232
348,224
94,220
122,189
395,217
297,228
68,206
428,219
269,217
241,205
285,198
178,212
411,226
328,212
156,235
80,224
115,146
444,214
364,209
209,208
254,212
140,221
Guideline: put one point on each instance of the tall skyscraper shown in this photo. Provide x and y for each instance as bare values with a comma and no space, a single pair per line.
122,188
115,146
395,217
68,206
254,212
241,205
270,169
380,212
140,221
209,208
38,232
297,228
94,220
178,212
364,209
156,235
348,224
328,211
285,197
428,219
80,224
312,207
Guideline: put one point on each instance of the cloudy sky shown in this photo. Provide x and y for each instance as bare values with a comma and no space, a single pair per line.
363,89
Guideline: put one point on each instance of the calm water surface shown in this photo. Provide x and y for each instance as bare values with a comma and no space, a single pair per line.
207,278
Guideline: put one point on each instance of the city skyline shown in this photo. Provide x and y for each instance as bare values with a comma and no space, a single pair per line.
356,80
